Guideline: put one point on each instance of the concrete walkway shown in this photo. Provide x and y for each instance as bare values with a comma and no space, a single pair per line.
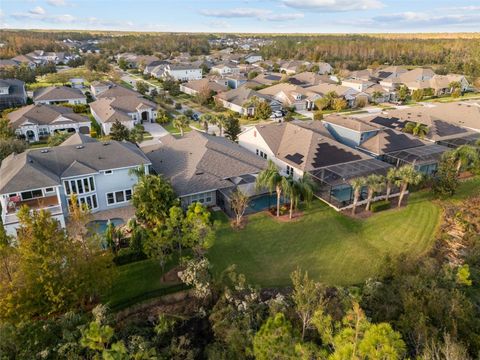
157,131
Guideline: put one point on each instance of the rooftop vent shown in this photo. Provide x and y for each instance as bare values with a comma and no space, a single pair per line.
44,151
199,172
79,147
106,143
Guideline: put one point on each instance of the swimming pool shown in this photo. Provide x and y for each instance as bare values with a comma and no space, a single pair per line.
263,202
99,226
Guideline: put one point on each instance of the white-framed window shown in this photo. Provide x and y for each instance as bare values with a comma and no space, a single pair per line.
289,170
90,200
119,197
79,186
203,198
49,190
262,154
108,172
31,194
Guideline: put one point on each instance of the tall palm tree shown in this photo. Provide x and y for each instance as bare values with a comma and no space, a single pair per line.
205,120
271,179
406,175
297,190
417,129
466,156
180,123
375,183
357,185
391,177
219,120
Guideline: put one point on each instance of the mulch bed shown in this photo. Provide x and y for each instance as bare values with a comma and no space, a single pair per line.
361,213
286,218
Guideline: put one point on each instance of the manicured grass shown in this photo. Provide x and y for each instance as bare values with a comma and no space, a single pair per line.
334,248
139,281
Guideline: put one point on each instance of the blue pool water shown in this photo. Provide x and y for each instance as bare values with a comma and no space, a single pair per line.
99,226
262,203
342,194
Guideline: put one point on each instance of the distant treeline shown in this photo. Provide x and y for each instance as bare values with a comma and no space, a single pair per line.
360,51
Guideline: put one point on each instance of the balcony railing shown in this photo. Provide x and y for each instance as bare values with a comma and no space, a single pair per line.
13,218
49,203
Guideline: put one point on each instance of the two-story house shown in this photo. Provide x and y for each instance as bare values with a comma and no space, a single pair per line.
182,72
97,172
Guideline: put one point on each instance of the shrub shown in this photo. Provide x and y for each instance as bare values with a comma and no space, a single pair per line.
93,133
178,106
318,115
379,206
127,256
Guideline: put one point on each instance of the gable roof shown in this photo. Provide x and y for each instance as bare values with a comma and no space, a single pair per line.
306,147
198,162
389,140
308,78
78,139
57,93
351,123
43,114
39,168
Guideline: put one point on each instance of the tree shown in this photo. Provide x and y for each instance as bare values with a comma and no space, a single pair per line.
196,273
204,95
119,132
181,123
136,134
6,131
445,182
205,119
406,175
456,93
122,64
220,121
142,87
318,115
58,138
297,190
158,246
198,229
232,128
271,179
403,93
12,145
376,95
263,110
466,156
357,185
375,183
275,340
152,198
175,227
418,95
53,273
162,117
390,181
417,129
380,341
307,296
239,203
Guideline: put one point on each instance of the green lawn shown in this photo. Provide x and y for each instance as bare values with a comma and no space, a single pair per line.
137,282
334,248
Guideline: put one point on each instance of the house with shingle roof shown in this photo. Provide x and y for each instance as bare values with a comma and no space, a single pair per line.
34,122
308,78
12,93
237,99
59,95
200,166
292,96
206,84
122,104
350,95
44,179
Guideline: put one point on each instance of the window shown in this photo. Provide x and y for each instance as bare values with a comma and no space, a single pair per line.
79,186
90,200
119,197
108,172
289,170
33,194
49,190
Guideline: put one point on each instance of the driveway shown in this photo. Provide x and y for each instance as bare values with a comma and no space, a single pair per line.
156,130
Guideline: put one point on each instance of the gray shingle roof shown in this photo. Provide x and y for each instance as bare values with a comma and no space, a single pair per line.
53,93
199,162
389,140
34,169
44,114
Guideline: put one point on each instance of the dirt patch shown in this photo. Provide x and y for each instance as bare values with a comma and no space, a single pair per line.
241,226
286,217
171,277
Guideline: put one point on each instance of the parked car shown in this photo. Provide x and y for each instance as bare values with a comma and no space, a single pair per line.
277,114
195,117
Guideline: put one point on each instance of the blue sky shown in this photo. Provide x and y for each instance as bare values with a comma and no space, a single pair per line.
317,16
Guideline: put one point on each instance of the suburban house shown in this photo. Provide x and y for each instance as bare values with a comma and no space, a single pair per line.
126,106
134,61
59,95
359,85
97,172
25,60
324,68
234,81
348,130
265,79
12,93
441,84
225,68
444,121
294,66
308,78
195,86
155,67
352,96
299,148
99,87
34,122
237,100
253,58
182,72
42,57
386,141
210,173
292,96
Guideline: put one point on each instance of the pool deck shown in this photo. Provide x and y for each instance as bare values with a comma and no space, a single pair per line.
125,213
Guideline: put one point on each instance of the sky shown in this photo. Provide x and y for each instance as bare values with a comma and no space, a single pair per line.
272,16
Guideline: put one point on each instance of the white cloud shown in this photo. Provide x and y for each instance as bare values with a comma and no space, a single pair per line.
38,10
57,2
65,18
334,5
259,14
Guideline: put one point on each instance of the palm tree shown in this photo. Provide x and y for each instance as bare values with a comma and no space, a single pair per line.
391,177
205,120
375,183
357,185
297,190
417,129
271,179
180,123
219,120
376,95
465,156
406,175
